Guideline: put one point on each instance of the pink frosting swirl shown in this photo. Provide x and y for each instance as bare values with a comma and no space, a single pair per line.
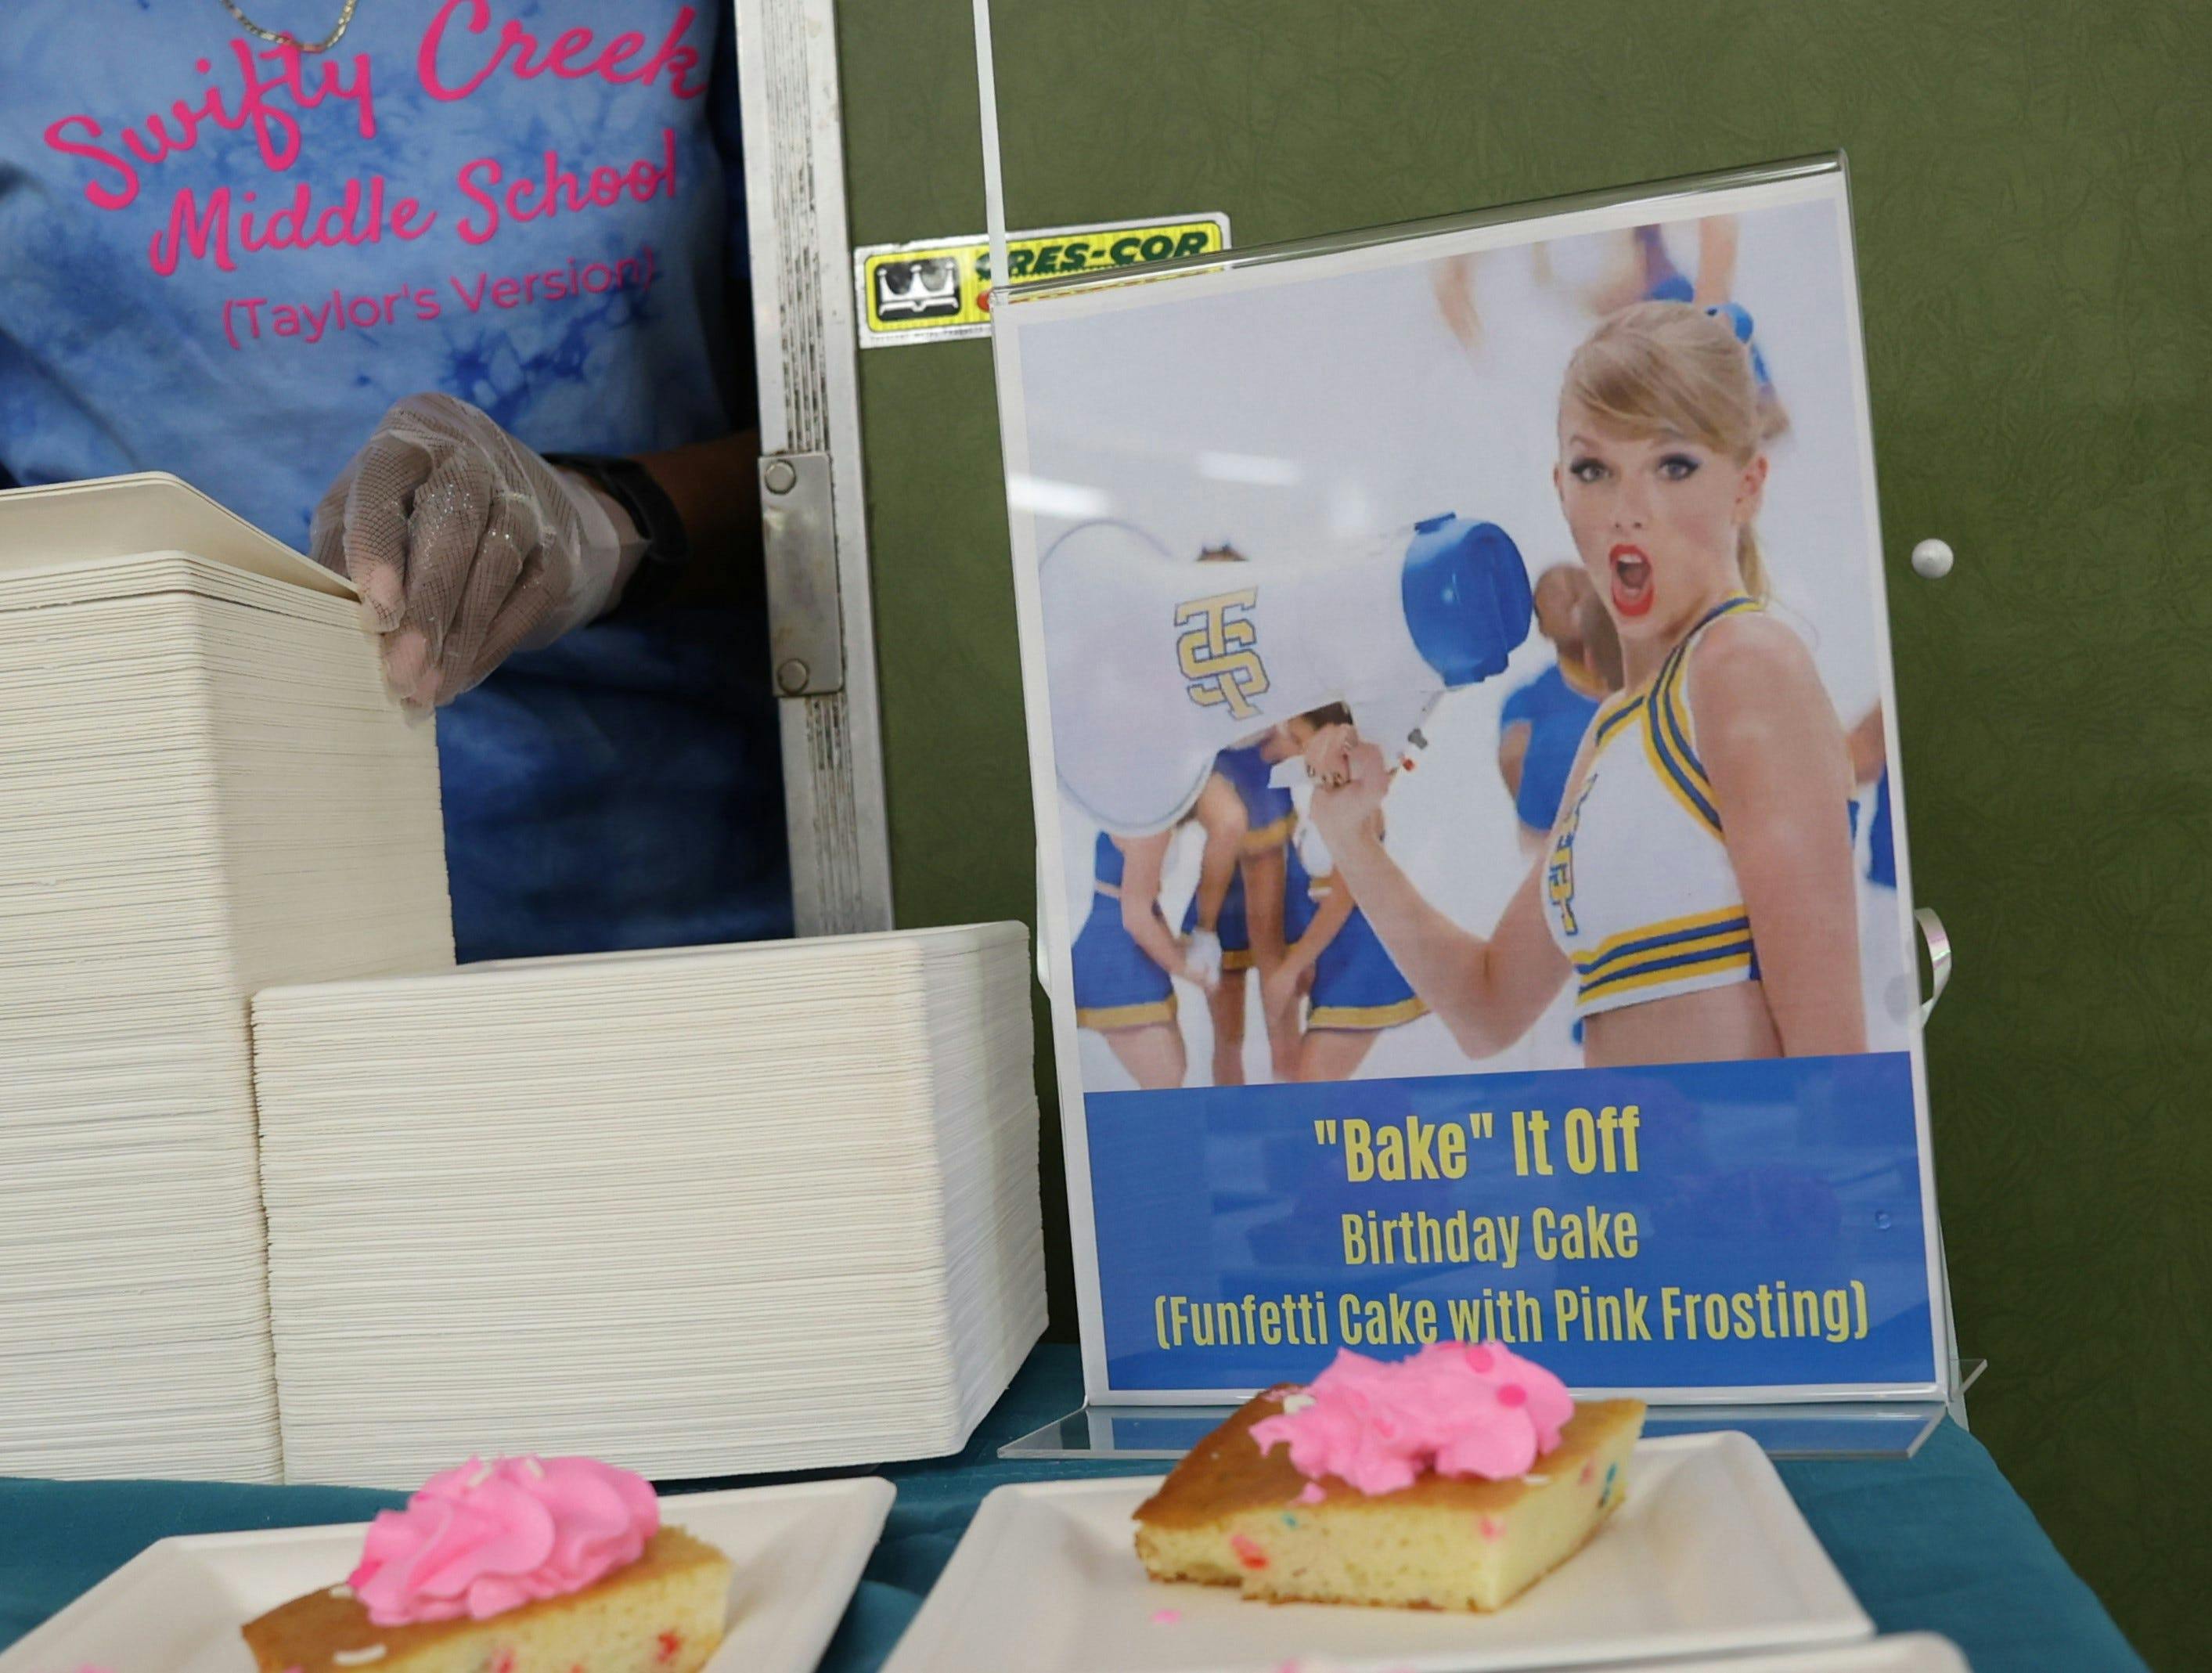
1454,1407
486,1538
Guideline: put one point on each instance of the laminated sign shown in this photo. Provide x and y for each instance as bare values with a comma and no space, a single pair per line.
941,286
1475,892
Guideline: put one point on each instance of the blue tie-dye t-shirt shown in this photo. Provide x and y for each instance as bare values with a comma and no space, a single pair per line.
225,259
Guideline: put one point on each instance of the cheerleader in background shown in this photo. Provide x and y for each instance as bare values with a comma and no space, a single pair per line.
1127,960
1635,266
1883,941
1263,899
1647,273
1540,728
1698,890
1266,904
1356,991
1869,747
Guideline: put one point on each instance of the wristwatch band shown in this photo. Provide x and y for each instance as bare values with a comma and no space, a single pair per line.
631,486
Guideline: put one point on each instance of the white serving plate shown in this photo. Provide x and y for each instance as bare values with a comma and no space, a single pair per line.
177,1607
1906,1652
1709,1555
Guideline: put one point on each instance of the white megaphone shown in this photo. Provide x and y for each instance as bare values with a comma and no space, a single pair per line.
1155,666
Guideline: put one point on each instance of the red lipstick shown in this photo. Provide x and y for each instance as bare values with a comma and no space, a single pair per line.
1631,581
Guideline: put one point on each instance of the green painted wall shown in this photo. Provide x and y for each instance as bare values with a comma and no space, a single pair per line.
2033,196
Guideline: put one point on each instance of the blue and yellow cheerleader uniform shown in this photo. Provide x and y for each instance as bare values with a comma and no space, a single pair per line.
1356,983
1271,820
1117,984
1637,886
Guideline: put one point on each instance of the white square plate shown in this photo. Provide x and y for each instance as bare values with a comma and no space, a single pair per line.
1907,1652
177,1607
1709,1555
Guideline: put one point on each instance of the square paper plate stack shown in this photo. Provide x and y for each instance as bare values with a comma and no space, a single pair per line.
699,1212
207,788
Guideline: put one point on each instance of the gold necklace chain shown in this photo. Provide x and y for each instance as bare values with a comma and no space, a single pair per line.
285,38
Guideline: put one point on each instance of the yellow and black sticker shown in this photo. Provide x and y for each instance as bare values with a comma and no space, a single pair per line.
941,286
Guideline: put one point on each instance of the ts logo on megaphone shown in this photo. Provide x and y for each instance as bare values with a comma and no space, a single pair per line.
1219,653
1154,667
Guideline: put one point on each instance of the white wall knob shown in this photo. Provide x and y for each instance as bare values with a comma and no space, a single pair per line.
1932,559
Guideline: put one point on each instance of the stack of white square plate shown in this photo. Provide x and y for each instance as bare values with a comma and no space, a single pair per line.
208,789
698,1212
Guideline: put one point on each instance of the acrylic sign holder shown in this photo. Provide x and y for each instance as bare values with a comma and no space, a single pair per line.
1150,1426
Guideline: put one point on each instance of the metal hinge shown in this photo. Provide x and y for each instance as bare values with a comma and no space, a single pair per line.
806,628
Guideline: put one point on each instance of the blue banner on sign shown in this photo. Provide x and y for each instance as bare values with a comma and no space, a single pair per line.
1701,1226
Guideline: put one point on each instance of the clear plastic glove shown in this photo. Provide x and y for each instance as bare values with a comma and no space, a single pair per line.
466,544
1202,957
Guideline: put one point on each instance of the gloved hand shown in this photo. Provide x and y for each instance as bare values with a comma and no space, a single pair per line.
1202,957
466,544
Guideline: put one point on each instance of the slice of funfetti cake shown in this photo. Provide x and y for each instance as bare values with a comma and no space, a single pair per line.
1453,1479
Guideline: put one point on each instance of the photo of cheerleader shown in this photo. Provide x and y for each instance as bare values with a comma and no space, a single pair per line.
1645,270
1267,900
1883,951
1353,990
1268,903
1698,886
1612,271
1128,961
1670,828
1540,728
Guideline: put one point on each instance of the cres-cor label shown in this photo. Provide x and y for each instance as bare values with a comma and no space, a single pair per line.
940,288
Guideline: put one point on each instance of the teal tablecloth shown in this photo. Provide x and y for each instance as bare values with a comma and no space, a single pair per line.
1938,1542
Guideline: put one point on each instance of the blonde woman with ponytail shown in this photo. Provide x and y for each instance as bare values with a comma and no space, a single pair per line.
1697,886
